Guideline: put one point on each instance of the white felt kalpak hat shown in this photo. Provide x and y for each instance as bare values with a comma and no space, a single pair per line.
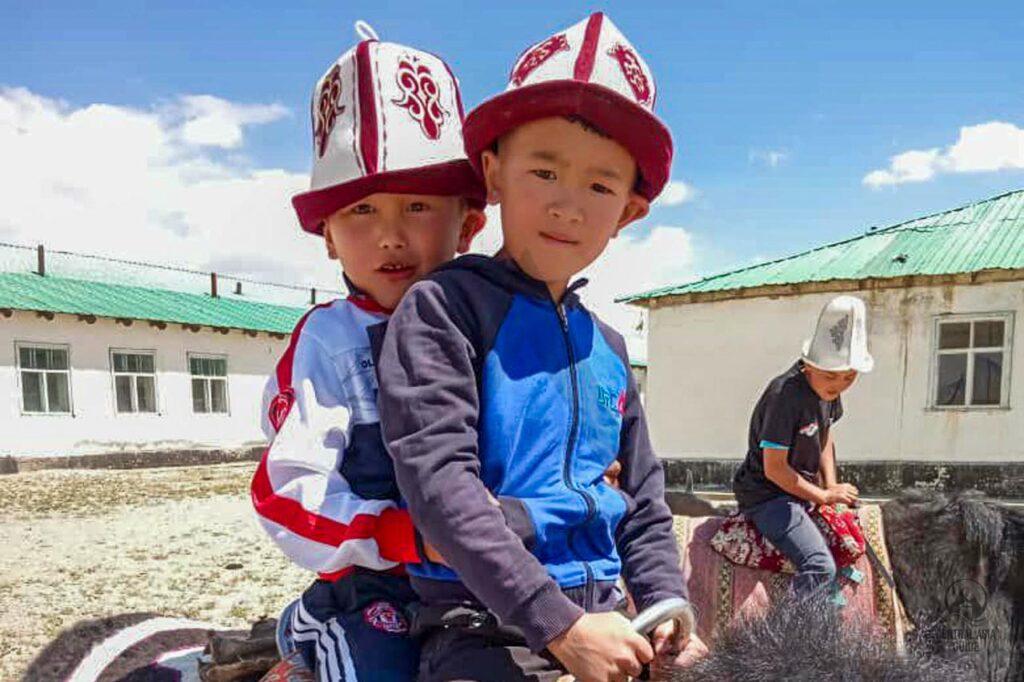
591,71
386,118
840,341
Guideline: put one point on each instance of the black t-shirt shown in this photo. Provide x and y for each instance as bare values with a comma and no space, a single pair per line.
789,416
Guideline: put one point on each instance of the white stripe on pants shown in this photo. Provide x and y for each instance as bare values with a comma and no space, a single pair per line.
334,659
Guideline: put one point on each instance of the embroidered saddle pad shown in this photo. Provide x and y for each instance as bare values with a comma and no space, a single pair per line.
722,590
739,541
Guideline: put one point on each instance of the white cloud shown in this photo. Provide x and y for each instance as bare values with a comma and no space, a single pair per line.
772,158
632,264
215,122
140,184
489,240
991,146
675,193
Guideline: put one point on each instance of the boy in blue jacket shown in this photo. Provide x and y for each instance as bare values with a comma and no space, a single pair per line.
499,389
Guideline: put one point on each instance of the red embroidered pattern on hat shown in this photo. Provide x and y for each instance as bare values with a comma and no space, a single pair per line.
421,96
537,56
384,617
328,108
279,408
634,73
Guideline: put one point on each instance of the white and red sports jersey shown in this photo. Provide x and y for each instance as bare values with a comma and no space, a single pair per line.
325,491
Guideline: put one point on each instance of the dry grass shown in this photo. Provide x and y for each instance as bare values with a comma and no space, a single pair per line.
84,544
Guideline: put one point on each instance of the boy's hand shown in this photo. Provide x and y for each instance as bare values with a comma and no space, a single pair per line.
670,652
602,647
611,474
841,493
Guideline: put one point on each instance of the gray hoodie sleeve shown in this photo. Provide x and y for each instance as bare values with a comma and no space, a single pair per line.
646,542
429,413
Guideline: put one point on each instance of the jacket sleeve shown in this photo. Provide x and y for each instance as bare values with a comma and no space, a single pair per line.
645,540
301,498
430,408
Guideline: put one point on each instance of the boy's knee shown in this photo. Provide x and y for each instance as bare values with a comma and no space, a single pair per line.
821,564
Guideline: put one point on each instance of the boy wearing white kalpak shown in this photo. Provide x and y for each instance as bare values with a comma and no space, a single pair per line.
393,197
790,462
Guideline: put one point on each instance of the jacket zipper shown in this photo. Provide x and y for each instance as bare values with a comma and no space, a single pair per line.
573,429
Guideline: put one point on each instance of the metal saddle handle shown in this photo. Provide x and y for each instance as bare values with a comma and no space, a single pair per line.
674,608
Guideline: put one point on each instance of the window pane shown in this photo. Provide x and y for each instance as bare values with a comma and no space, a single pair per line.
57,391
123,393
952,381
26,358
988,334
988,379
32,391
39,359
146,363
199,395
58,358
218,395
193,366
146,392
218,367
955,335
120,362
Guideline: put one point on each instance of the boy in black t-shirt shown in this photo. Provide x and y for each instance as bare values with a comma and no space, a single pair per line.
791,454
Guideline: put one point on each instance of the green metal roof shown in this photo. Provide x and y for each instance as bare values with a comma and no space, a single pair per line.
29,291
93,285
987,235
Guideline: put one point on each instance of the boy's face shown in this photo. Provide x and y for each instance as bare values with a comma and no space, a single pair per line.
829,385
385,242
565,191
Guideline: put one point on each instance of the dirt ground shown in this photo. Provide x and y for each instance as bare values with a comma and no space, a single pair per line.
85,544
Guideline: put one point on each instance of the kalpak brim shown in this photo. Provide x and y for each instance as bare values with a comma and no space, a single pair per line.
635,128
865,364
452,178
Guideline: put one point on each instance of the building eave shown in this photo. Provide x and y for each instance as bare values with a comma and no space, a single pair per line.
834,286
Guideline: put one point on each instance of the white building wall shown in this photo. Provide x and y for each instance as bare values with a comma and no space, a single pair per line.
709,362
94,425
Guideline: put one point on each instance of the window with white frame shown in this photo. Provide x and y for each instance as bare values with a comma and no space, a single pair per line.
45,378
209,383
134,381
972,361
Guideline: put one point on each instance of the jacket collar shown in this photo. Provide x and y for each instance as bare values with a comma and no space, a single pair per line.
363,300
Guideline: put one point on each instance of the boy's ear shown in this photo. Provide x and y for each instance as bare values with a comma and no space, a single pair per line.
491,165
473,221
332,251
636,208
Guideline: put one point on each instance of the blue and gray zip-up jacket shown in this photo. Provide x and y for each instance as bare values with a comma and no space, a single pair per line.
488,387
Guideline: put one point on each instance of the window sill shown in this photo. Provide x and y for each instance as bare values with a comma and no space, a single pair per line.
972,408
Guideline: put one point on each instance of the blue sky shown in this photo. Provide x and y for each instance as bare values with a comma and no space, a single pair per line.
779,110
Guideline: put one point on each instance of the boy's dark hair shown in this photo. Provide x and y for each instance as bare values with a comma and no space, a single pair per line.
578,120
590,128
